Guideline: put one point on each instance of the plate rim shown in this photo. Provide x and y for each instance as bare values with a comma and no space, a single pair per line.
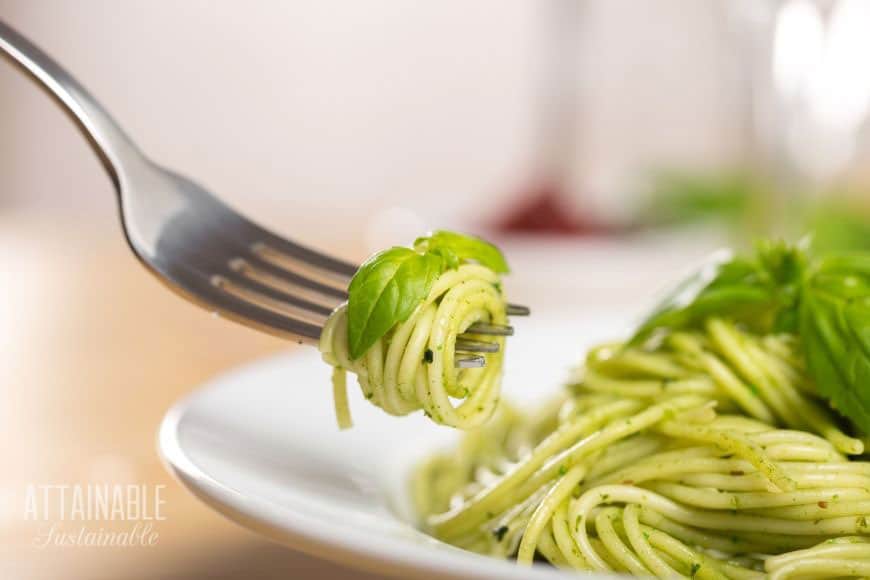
346,546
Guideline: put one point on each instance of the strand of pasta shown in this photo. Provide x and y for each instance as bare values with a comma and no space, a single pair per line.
496,496
412,367
641,475
618,429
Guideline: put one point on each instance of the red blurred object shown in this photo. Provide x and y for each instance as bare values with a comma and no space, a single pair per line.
543,209
544,206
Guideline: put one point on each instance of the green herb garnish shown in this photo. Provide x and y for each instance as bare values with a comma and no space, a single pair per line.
760,292
500,532
391,284
835,333
458,248
826,301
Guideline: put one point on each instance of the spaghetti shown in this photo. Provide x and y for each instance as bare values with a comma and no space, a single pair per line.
412,366
705,454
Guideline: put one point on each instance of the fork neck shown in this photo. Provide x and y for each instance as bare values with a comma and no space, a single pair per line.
111,144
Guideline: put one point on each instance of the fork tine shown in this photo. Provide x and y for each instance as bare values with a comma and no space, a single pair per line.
469,362
272,322
268,299
337,295
274,287
259,306
339,271
284,261
491,329
318,311
518,310
244,290
301,261
209,254
466,345
200,288
267,283
255,234
285,282
308,255
341,281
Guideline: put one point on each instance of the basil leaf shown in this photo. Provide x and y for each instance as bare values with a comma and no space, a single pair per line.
760,292
827,305
451,260
858,264
464,247
385,291
835,334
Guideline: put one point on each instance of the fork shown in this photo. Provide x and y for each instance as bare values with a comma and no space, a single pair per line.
199,246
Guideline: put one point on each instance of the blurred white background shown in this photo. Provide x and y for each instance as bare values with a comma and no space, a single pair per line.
353,125
310,113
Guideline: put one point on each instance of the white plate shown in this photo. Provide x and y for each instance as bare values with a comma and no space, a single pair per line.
260,445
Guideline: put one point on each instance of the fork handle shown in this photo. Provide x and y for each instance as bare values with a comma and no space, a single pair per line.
111,144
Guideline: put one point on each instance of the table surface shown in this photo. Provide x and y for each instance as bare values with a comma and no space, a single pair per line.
93,350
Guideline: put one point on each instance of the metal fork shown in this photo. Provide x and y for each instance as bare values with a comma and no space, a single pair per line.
198,245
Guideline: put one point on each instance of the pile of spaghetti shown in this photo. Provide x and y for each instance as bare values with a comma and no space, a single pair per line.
704,450
412,366
398,331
